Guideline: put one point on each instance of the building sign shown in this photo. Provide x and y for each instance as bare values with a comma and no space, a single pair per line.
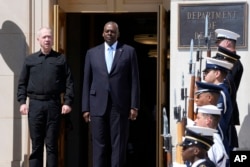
192,21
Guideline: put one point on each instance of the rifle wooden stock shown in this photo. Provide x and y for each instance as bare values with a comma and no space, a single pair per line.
180,134
168,158
191,99
167,150
184,123
209,53
167,154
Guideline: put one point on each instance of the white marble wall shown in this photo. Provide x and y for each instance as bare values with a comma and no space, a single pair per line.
19,22
179,64
18,25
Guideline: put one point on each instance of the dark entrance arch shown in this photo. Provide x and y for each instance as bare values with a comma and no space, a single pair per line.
85,31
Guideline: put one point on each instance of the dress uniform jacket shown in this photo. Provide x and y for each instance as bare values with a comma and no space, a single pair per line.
203,163
225,104
217,152
233,81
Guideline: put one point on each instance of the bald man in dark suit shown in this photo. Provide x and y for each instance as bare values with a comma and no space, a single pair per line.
111,96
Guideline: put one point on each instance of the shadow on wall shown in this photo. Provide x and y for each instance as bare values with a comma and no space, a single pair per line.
244,140
13,49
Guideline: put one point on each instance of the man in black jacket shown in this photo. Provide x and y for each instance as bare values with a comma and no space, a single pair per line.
45,79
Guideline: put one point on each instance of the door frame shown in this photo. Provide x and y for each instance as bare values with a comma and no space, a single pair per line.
161,83
161,93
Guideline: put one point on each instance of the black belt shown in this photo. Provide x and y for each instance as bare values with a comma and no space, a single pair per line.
43,97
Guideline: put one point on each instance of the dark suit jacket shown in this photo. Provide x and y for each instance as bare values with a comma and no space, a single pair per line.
122,83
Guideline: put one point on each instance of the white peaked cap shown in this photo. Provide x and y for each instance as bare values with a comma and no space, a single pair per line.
222,33
209,109
203,131
213,63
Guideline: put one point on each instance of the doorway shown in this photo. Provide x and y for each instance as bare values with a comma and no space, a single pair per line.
85,31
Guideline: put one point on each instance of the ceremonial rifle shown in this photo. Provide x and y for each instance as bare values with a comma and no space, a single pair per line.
199,59
181,122
177,116
195,78
167,145
192,84
184,111
180,130
191,114
207,38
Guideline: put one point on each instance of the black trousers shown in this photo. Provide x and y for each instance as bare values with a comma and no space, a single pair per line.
44,127
109,138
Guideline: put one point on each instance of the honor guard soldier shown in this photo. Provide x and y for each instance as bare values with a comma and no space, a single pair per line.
207,93
226,41
209,116
197,142
216,72
223,34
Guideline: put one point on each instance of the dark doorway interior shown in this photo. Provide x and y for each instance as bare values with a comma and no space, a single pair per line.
85,31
